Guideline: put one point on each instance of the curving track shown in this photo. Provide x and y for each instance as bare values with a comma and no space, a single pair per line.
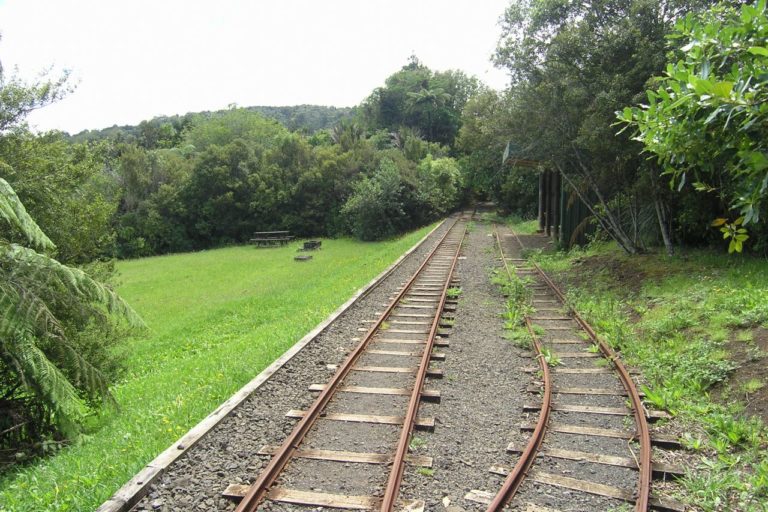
570,391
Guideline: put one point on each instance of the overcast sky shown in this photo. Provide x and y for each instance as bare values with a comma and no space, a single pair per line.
133,60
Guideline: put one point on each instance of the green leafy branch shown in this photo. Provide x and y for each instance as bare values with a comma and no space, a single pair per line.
734,231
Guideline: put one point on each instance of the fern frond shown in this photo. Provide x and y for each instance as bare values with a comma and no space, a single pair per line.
580,229
22,309
41,375
14,213
41,271
83,374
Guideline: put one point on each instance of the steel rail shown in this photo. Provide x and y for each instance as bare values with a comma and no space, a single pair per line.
392,490
517,475
259,489
643,431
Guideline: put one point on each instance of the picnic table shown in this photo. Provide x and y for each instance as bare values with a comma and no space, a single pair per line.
271,238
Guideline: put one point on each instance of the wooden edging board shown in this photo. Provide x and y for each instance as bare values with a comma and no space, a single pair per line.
135,489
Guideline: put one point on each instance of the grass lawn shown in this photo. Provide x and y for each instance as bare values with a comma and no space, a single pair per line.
697,326
216,319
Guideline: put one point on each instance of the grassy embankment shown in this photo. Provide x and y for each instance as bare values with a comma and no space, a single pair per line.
216,319
697,326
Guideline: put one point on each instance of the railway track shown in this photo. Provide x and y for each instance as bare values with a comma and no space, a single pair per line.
355,435
587,397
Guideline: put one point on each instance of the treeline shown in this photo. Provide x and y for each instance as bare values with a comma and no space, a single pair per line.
177,184
167,131
653,114
205,180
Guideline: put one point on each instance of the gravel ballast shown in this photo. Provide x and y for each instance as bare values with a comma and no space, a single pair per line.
226,455
483,393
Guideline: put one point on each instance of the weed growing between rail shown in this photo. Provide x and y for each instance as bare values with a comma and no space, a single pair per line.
674,318
217,318
517,305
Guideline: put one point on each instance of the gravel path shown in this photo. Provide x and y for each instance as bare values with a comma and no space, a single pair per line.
482,393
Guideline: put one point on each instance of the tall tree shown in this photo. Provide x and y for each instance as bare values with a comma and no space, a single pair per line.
418,98
707,120
572,66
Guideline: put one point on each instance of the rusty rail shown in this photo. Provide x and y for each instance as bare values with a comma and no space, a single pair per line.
398,464
257,492
643,431
517,475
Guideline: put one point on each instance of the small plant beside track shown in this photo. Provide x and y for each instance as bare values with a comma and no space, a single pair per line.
550,357
517,306
453,293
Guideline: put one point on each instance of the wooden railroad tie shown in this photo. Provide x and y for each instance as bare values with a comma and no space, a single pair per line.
660,440
352,457
593,409
427,424
428,395
660,470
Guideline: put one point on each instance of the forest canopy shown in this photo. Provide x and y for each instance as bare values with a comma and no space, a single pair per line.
689,76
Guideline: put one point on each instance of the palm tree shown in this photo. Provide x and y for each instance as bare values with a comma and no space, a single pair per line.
347,134
432,99
39,367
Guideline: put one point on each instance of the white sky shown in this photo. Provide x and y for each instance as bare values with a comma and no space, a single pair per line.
136,59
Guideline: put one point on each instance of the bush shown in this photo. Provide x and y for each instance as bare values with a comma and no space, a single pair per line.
375,208
439,184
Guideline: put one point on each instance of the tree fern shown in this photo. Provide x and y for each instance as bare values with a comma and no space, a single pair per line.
14,213
42,273
33,342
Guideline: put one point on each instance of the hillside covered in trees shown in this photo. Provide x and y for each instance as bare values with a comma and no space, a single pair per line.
166,131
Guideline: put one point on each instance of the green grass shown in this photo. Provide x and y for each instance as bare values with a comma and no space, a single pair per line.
685,310
216,319
522,227
514,222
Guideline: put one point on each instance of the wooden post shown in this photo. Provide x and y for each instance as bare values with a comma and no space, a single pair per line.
548,202
556,213
541,201
566,218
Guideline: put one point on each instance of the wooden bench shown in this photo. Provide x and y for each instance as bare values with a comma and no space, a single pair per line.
311,245
271,238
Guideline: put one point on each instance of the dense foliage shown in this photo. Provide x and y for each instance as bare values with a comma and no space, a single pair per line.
418,98
215,179
54,332
56,321
573,65
167,131
707,120
209,179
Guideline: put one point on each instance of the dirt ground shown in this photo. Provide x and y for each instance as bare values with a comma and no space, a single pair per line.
752,361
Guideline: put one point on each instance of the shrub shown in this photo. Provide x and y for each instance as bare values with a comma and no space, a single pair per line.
375,208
